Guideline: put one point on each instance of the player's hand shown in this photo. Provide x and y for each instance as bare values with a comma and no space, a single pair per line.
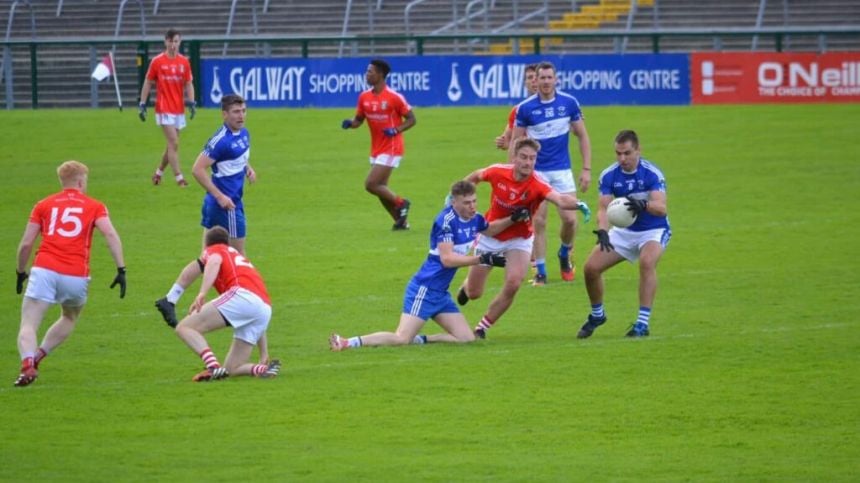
141,111
346,124
521,214
390,132
19,285
119,280
586,211
192,108
198,303
603,240
584,180
225,202
636,206
251,174
492,259
501,142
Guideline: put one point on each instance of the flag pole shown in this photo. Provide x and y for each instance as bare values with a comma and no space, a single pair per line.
115,80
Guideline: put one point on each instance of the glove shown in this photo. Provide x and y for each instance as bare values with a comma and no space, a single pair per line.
119,280
636,206
141,111
521,214
346,124
192,108
390,132
586,211
19,285
492,260
603,240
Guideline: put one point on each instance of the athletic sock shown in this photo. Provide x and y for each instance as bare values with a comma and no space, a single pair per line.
354,342
158,172
179,177
398,202
485,323
209,359
258,369
564,250
644,315
175,292
540,264
597,311
40,354
420,339
27,362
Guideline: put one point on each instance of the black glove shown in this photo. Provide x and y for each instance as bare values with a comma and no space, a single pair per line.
19,285
636,206
119,280
346,124
603,240
192,108
521,214
492,259
141,111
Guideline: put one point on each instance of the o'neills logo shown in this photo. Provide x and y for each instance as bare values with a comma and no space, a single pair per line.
801,78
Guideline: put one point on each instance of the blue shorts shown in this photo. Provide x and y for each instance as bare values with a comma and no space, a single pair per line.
233,220
425,303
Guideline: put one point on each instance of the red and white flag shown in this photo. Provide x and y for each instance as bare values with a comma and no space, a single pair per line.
104,69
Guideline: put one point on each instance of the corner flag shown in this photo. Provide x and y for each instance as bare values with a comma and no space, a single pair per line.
104,69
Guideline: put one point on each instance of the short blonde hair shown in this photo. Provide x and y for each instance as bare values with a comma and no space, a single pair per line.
71,171
522,142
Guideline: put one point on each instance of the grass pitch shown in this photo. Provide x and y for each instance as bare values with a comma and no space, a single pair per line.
751,372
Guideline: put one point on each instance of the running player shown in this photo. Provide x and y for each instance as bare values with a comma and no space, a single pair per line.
170,73
549,117
243,304
388,114
61,269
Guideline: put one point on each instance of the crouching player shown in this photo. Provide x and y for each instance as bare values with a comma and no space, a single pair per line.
243,304
451,238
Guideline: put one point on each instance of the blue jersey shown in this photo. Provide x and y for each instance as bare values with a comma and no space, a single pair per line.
448,228
230,151
549,123
647,177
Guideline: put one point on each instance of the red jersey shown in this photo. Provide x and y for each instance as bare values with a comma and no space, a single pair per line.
170,76
235,271
386,109
509,194
66,222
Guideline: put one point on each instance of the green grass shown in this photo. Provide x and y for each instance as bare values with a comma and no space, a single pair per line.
751,372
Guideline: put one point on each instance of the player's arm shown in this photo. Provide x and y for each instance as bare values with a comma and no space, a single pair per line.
408,123
563,200
475,177
503,140
210,273
355,122
518,132
452,259
114,244
581,133
263,345
25,248
189,91
144,90
250,173
656,203
201,165
497,226
602,219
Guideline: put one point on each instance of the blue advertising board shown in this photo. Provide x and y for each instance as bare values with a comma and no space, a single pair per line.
600,79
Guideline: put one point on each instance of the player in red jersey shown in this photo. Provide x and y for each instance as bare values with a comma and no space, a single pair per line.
515,185
503,141
61,269
243,304
388,115
170,73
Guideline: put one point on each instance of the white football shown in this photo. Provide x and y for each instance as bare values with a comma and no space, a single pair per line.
618,213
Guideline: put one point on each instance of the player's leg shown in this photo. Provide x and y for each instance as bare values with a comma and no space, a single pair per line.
167,304
171,135
598,262
539,247
191,329
376,184
473,286
32,313
515,271
649,256
61,329
407,329
456,326
567,264
236,228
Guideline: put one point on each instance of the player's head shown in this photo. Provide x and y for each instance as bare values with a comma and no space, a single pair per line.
627,149
525,156
377,71
464,199
546,78
531,78
73,174
172,39
233,111
217,235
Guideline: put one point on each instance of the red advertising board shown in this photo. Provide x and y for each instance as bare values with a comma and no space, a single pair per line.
762,77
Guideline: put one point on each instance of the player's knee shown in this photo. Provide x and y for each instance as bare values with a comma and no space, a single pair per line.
466,337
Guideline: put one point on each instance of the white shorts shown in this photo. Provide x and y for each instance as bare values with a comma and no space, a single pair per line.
386,160
175,120
560,180
488,244
628,243
245,312
56,288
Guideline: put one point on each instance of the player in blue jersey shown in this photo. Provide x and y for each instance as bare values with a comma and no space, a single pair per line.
451,238
227,154
644,186
549,117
